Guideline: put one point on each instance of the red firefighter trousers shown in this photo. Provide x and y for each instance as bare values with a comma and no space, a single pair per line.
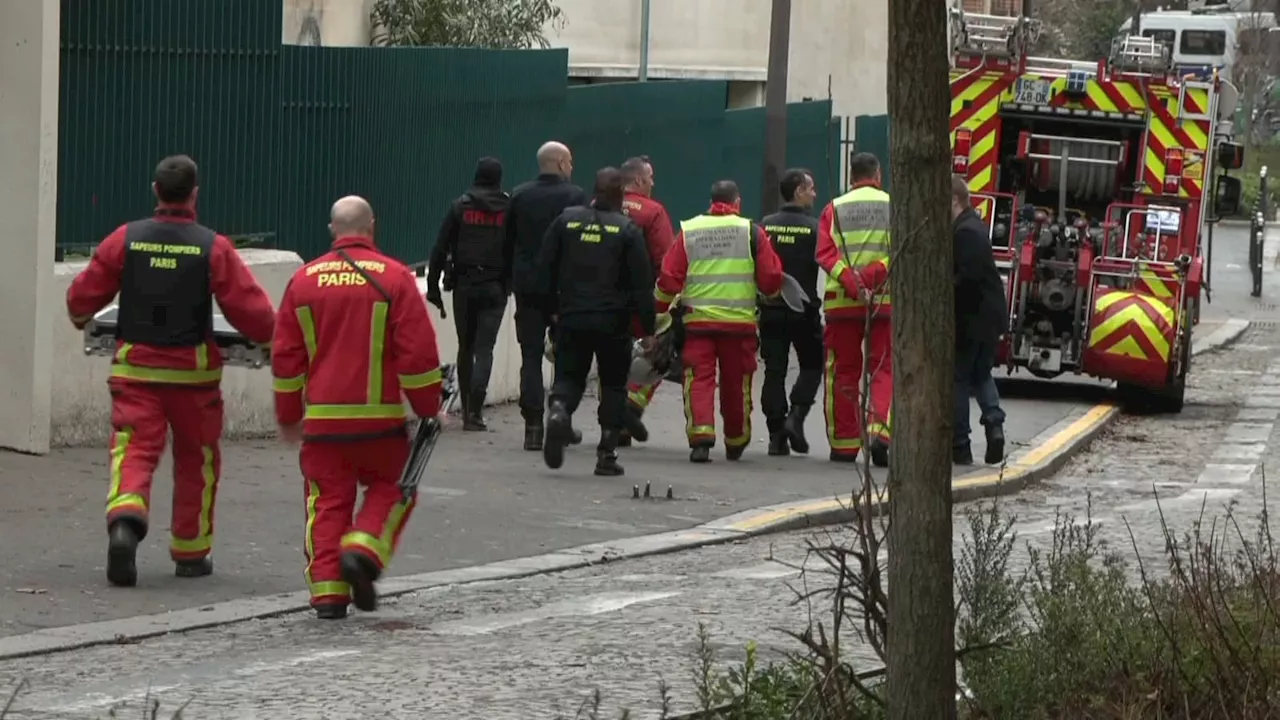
735,355
141,416
334,471
845,367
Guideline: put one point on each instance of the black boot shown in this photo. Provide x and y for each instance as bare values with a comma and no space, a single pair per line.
734,452
122,553
700,454
793,426
879,453
624,440
331,611
533,432
575,436
559,434
961,455
361,573
844,457
606,459
778,444
995,445
199,567
473,414
633,423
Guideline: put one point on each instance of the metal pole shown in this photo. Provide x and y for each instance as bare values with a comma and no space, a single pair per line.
775,104
644,41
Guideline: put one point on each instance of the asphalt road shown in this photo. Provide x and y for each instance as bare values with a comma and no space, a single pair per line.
487,500
536,647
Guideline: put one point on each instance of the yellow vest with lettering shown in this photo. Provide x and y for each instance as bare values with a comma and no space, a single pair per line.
860,230
720,284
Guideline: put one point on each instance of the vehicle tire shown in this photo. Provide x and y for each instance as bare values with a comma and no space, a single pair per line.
1170,399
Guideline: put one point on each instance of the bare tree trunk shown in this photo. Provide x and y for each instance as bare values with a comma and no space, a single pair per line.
921,642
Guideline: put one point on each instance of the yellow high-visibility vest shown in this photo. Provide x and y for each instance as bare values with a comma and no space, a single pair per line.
860,229
720,284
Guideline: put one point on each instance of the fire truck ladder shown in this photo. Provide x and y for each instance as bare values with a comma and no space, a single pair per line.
994,36
1138,54
1099,158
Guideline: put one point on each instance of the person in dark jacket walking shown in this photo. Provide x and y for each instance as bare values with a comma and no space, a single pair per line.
981,314
534,206
794,234
470,252
593,274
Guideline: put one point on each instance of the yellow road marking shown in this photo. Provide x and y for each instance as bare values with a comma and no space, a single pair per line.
1077,429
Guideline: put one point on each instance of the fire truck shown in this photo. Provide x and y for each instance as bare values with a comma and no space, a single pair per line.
1096,181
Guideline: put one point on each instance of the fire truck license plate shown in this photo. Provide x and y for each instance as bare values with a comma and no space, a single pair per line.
1032,91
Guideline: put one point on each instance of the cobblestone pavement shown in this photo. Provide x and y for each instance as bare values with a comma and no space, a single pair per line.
521,649
485,500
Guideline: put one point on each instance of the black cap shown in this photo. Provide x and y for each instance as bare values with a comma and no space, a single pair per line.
488,172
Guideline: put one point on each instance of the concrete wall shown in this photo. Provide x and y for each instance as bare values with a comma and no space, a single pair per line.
729,40
81,407
329,23
706,39
28,203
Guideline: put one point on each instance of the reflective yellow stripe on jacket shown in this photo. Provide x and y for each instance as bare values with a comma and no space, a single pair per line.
860,229
373,408
720,285
201,375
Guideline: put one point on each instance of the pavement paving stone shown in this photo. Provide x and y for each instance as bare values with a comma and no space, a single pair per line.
486,500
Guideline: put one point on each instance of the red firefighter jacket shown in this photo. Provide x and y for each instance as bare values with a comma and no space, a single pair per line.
343,352
243,302
869,278
675,268
652,218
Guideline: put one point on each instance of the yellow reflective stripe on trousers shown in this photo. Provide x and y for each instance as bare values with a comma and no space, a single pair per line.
829,406
382,547
119,450
324,587
204,541
355,412
288,385
693,431
745,437
421,380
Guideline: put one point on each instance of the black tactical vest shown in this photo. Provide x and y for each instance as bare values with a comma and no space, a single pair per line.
165,294
480,237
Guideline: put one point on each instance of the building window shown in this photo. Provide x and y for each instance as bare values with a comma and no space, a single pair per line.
1211,43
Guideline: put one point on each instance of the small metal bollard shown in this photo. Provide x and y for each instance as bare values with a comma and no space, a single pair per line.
635,492
646,489
670,495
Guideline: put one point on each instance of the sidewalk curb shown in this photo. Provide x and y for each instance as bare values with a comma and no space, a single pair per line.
1043,456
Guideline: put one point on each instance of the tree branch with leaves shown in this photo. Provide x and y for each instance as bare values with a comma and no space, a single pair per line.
490,24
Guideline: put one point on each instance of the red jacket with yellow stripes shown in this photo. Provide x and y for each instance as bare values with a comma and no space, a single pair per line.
242,300
343,352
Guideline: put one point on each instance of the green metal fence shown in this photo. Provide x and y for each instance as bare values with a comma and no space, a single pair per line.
281,132
871,134
141,79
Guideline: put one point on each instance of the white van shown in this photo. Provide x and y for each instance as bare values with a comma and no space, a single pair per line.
1201,41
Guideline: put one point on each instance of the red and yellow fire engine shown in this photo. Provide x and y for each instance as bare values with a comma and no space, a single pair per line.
1097,183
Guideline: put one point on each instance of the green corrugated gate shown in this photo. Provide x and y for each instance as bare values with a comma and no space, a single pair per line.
281,132
141,80
871,134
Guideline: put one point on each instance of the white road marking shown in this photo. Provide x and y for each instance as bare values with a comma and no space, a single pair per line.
1262,401
1265,389
1230,474
590,605
1249,432
1196,495
1258,413
767,571
1239,451
96,700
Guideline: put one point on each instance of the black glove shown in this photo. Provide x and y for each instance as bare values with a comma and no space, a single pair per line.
436,299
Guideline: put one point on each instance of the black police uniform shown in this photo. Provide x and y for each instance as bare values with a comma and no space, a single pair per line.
534,206
795,235
593,273
470,251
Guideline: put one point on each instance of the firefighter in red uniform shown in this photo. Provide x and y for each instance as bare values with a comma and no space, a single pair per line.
167,369
853,249
655,223
352,335
719,264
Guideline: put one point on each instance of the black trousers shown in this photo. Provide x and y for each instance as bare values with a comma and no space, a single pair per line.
531,333
576,346
780,330
477,314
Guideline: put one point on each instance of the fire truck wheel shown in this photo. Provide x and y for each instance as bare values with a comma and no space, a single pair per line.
1170,399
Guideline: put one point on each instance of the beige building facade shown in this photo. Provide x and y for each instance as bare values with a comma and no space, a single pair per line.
705,39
